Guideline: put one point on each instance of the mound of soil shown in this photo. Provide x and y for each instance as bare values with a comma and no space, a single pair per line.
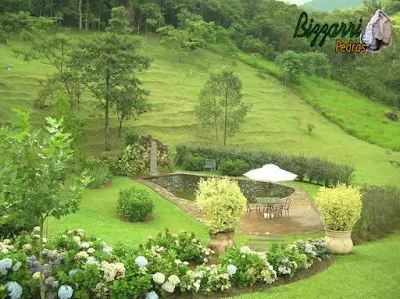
392,116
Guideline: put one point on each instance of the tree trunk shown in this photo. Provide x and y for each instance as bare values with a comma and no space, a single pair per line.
41,280
106,126
87,14
80,13
120,126
98,26
226,118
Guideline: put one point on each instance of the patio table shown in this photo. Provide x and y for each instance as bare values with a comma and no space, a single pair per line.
268,204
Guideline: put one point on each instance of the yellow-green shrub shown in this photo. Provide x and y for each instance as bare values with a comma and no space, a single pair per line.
340,208
222,203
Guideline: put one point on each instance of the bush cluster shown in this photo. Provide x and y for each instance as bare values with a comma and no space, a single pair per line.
340,207
135,205
216,197
233,167
309,169
193,162
76,265
380,213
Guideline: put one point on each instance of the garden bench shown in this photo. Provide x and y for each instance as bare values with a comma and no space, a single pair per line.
210,164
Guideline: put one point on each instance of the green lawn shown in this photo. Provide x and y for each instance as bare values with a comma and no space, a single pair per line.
371,271
97,216
277,121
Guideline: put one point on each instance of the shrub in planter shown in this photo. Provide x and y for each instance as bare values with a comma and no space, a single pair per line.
194,163
222,203
135,205
246,268
340,208
233,167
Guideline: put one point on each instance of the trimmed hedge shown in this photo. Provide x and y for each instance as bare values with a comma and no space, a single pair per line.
193,162
233,167
380,214
314,170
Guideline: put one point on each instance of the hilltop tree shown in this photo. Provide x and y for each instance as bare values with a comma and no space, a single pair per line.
107,65
220,103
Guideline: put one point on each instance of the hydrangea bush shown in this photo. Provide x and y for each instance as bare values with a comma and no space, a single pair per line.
76,265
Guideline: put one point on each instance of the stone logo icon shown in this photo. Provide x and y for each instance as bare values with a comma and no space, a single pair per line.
378,33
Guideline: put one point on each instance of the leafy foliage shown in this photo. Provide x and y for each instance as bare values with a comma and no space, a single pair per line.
379,215
135,205
311,169
340,208
233,167
194,163
222,203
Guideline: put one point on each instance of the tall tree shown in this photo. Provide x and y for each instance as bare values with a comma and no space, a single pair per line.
107,63
35,171
222,98
80,13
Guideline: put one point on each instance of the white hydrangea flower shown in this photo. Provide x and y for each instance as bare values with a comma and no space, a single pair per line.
77,239
36,275
245,250
231,269
84,245
82,255
159,278
44,240
197,286
91,250
174,279
16,266
112,271
168,287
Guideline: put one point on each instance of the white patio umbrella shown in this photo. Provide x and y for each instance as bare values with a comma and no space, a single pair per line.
270,173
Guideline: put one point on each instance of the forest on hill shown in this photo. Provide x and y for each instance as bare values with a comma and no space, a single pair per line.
261,27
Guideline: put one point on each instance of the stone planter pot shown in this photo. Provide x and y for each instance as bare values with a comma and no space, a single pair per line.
338,241
220,242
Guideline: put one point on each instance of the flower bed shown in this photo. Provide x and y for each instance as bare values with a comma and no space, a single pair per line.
76,265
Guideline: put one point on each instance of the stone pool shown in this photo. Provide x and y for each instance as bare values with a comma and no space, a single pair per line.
183,185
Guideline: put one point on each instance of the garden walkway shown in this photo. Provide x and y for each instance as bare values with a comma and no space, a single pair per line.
304,216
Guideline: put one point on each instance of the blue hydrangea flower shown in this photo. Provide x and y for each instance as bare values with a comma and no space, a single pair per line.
231,269
4,265
65,292
141,261
151,295
72,272
14,290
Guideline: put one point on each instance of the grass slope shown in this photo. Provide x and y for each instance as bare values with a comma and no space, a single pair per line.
97,216
277,121
371,271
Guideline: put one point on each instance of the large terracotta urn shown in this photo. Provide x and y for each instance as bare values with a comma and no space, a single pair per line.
338,241
220,242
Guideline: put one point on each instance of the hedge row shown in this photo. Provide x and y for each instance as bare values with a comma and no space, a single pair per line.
310,169
380,214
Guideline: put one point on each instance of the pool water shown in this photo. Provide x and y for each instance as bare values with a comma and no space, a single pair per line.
189,195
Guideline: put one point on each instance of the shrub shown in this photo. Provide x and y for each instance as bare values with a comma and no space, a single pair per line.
310,169
247,268
187,246
99,175
192,162
340,208
135,205
222,204
233,167
131,138
380,213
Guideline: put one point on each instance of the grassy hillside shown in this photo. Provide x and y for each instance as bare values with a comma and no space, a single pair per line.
277,121
328,5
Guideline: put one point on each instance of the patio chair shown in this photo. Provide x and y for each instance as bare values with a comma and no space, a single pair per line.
276,210
252,207
286,206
